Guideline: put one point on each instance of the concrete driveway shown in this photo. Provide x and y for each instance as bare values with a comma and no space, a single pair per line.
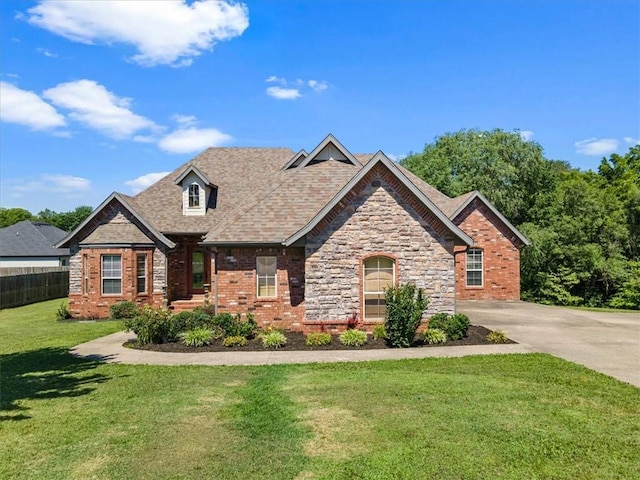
606,342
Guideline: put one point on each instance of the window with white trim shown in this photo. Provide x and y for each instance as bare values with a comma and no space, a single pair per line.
111,274
194,195
141,273
378,274
474,267
266,274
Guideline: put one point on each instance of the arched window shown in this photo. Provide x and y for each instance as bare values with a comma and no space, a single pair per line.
194,195
378,274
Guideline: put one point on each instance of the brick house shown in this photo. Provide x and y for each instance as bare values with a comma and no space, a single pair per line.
298,239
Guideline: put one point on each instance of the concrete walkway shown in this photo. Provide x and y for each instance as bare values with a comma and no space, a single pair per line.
110,349
608,342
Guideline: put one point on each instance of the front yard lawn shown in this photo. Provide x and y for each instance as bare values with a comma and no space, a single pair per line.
498,416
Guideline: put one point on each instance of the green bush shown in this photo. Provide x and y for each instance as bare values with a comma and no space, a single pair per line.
122,310
63,312
150,325
235,341
233,326
353,338
318,339
497,336
434,336
198,337
405,306
379,332
455,326
274,339
207,309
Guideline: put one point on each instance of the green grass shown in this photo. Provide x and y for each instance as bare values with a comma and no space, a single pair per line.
513,416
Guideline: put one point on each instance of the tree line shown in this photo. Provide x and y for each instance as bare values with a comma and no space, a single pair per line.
64,220
584,226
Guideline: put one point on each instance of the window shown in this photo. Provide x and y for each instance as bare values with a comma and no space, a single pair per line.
111,274
194,195
379,273
85,266
266,276
474,267
141,273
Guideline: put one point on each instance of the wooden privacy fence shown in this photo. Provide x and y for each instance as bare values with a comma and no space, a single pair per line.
18,290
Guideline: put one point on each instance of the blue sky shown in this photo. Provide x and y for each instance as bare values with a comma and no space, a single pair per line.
103,96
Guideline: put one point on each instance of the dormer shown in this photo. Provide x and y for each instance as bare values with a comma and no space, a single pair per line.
198,192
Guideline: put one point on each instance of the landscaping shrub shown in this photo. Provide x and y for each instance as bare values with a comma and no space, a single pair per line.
235,341
179,323
455,326
122,310
379,332
150,325
233,326
318,339
434,336
207,309
405,306
497,336
353,338
274,339
63,312
197,337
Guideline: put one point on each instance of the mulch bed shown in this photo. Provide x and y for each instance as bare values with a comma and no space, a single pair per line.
476,335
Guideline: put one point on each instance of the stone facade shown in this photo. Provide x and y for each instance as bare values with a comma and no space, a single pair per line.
501,256
379,217
237,285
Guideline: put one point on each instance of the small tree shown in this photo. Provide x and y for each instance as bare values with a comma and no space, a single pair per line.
405,306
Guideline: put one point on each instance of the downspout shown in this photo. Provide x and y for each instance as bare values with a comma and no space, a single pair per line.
215,281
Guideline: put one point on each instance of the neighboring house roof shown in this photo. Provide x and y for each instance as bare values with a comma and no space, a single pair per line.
31,239
267,196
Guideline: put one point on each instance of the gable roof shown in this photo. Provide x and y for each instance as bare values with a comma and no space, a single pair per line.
126,203
296,160
463,201
328,142
379,158
31,239
196,171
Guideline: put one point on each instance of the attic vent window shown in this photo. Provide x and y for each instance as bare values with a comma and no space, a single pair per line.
194,196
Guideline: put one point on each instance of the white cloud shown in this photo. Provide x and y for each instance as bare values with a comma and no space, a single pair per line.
46,53
94,106
286,92
27,108
163,32
189,140
527,135
318,86
283,93
632,141
51,183
142,182
185,120
595,146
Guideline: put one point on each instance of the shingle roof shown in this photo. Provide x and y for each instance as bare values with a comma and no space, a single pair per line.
31,239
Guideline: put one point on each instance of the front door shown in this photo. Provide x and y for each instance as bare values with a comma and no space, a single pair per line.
197,275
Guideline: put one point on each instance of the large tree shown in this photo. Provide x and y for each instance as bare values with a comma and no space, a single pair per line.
10,216
66,220
509,170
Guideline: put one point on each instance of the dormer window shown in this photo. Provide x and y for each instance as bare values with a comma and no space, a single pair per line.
194,195
198,193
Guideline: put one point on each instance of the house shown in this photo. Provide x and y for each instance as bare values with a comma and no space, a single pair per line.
31,244
298,239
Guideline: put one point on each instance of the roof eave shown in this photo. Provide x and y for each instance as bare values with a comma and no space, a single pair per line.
476,194
115,196
379,158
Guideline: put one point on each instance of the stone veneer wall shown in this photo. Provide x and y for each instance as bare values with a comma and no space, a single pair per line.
381,216
90,303
501,256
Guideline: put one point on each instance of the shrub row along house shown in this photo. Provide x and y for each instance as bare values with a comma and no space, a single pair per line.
298,239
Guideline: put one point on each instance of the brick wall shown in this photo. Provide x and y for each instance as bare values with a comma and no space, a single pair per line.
501,256
379,216
237,289
87,300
